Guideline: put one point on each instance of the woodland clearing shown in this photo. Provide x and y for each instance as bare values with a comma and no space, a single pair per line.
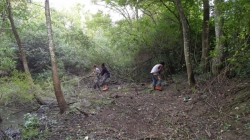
216,109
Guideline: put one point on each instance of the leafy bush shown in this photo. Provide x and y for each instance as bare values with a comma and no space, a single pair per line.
31,126
7,62
240,66
17,85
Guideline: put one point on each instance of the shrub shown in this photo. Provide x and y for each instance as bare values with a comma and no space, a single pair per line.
31,126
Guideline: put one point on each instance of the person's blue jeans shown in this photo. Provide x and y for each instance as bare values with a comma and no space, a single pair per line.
105,78
156,79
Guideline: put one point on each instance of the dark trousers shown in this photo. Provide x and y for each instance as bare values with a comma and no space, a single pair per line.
105,78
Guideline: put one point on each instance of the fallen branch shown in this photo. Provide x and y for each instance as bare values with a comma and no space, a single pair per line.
90,76
86,77
218,110
39,100
71,103
3,136
82,112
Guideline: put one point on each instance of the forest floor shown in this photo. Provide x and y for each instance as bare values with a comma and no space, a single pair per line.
216,109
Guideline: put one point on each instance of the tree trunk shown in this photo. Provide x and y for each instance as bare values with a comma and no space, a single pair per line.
56,82
3,17
23,56
136,10
218,51
186,38
205,37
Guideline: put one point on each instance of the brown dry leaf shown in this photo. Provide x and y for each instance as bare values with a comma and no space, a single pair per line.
70,128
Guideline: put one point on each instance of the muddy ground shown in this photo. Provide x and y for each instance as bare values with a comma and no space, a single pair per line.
217,109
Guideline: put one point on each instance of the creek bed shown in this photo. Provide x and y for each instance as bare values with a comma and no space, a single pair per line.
12,118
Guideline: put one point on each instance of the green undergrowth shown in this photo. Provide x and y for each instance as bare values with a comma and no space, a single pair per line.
16,86
33,128
240,103
237,112
30,127
68,85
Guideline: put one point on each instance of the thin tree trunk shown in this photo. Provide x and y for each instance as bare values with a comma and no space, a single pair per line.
186,38
3,20
205,37
23,56
56,82
218,52
136,10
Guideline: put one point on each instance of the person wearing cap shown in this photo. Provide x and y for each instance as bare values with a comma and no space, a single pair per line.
155,72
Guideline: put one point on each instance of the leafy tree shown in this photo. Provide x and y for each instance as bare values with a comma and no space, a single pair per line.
132,41
7,62
34,37
73,42
23,55
236,31
150,32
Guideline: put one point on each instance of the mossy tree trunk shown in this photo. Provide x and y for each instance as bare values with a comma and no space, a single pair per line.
220,43
205,37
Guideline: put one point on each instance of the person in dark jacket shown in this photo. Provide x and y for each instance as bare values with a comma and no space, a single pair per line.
106,75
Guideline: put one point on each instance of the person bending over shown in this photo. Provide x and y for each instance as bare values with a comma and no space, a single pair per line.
155,72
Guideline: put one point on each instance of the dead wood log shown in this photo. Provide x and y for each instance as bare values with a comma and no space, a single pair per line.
82,112
39,100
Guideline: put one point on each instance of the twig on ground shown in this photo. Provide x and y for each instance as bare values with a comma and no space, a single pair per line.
218,110
83,112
